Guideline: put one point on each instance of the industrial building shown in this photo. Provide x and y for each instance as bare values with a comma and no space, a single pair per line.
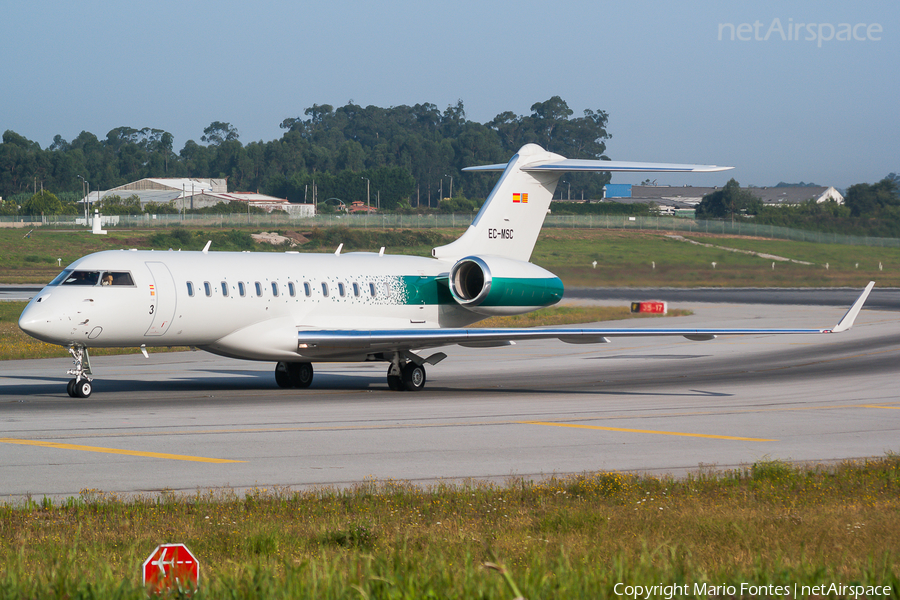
190,193
683,200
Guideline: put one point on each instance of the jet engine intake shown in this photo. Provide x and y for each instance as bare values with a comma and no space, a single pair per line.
494,285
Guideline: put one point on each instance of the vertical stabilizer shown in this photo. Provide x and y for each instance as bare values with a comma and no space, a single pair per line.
512,216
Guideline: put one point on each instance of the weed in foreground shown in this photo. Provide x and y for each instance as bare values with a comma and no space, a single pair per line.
564,536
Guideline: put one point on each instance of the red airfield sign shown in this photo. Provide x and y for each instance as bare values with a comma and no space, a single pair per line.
171,566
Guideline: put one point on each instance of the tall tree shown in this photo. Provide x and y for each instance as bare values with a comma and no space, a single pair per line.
873,200
219,132
729,202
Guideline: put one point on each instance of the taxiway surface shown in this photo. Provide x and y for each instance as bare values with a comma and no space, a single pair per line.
189,420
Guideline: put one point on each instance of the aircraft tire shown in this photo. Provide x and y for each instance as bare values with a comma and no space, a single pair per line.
70,388
83,389
282,377
301,374
395,382
414,377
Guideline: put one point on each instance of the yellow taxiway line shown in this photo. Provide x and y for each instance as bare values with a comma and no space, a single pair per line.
622,429
116,451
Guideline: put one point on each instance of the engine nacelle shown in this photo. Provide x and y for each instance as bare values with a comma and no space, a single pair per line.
493,285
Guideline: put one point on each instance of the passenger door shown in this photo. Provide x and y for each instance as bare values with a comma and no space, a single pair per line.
162,299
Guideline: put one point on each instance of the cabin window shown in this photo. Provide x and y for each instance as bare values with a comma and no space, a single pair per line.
372,289
324,289
241,289
307,289
190,287
291,289
207,288
275,289
341,289
224,290
258,286
356,289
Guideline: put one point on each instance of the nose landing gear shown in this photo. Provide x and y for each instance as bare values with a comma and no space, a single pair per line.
80,386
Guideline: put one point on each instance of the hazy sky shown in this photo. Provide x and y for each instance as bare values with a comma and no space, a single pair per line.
786,108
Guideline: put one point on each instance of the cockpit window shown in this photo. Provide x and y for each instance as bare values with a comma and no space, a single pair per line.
82,278
72,277
116,278
61,277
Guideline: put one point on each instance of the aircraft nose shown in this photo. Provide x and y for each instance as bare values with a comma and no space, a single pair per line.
37,321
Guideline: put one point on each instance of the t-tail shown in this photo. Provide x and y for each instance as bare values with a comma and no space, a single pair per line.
508,224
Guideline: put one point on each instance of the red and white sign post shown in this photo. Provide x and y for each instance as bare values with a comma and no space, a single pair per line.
171,566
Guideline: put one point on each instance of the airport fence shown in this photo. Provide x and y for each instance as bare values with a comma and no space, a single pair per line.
278,220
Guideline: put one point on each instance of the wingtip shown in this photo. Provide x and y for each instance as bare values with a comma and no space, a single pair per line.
847,322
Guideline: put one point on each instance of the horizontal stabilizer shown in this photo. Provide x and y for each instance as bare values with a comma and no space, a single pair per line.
581,165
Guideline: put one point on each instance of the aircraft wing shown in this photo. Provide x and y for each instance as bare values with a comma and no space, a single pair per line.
336,341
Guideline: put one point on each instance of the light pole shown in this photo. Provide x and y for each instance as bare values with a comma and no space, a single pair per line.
451,185
84,197
367,191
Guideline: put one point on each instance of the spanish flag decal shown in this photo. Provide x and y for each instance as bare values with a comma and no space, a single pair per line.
152,290
520,198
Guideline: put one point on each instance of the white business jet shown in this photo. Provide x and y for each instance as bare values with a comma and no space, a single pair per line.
295,309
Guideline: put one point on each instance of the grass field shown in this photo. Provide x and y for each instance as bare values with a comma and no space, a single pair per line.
624,258
564,537
651,259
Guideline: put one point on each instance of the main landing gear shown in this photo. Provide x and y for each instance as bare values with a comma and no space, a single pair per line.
409,377
406,373
293,374
80,386
407,370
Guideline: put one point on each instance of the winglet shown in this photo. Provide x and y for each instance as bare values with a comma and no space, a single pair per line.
847,322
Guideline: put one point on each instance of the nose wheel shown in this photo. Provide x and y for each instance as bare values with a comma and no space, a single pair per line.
80,386
79,389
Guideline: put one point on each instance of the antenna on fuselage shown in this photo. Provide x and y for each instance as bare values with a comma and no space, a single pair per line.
206,247
338,251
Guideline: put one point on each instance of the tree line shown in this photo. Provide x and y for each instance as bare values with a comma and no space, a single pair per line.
868,209
406,155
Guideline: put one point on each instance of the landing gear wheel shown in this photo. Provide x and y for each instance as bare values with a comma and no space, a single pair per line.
413,377
282,378
80,386
83,389
293,375
395,382
301,374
